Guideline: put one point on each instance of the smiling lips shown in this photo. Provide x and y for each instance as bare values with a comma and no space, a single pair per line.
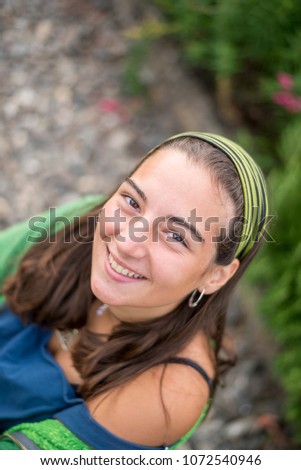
121,270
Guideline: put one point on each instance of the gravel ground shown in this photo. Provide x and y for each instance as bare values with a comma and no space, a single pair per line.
67,129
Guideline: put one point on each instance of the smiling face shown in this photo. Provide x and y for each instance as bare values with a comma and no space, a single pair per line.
154,243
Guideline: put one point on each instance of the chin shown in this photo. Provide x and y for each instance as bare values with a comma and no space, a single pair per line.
96,287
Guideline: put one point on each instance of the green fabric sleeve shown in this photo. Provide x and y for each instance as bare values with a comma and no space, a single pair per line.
194,427
50,434
15,240
7,444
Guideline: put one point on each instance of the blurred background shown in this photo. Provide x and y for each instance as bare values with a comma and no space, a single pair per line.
87,87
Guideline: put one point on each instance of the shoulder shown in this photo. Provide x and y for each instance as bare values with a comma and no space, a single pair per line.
160,405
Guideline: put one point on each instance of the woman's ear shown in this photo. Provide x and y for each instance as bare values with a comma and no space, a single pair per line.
219,275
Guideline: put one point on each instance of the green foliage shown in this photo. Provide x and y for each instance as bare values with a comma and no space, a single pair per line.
278,270
132,83
246,40
257,145
256,34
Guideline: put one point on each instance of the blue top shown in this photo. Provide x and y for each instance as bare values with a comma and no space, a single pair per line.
34,387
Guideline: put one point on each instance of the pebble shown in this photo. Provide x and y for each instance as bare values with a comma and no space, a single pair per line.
43,31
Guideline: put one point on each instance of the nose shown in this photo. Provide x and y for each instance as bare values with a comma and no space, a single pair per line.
133,238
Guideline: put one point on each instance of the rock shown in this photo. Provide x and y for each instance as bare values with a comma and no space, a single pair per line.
63,95
31,166
5,209
119,139
239,427
43,31
19,138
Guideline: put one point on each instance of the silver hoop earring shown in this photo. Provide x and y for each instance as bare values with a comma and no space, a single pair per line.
192,302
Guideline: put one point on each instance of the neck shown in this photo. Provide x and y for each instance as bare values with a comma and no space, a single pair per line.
139,314
106,317
104,309
100,319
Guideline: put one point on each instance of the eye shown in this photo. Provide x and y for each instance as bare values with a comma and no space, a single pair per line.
176,237
131,202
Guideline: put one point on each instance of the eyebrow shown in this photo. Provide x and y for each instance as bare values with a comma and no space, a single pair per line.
172,218
136,187
181,221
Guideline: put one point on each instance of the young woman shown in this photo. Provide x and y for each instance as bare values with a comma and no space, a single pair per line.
112,327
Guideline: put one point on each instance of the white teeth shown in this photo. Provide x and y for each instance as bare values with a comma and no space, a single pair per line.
121,270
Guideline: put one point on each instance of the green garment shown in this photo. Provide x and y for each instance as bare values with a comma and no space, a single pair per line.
7,444
48,434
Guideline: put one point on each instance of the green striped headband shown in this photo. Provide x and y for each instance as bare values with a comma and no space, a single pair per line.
253,187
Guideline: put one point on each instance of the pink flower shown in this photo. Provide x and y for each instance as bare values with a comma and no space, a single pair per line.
114,106
125,110
110,105
288,101
285,80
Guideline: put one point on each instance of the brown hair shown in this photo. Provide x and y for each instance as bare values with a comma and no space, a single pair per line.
52,287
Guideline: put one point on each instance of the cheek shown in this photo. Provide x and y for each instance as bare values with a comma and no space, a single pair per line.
109,221
173,269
